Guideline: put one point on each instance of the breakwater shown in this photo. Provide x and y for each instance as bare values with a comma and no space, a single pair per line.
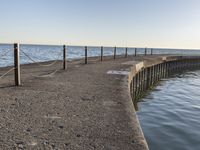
90,103
148,74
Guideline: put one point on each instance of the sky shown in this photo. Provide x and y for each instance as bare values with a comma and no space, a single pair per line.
132,23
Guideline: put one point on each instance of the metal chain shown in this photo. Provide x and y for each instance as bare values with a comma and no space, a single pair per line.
47,75
48,65
6,73
4,54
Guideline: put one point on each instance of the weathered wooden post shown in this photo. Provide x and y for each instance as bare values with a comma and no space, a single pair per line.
64,58
136,86
152,51
145,51
148,77
126,52
86,49
115,49
135,52
17,64
157,73
101,53
145,79
141,82
152,75
167,69
162,70
131,89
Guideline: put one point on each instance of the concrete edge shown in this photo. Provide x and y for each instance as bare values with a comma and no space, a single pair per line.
135,68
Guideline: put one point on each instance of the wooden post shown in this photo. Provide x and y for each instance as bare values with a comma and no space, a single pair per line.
148,78
152,75
157,72
17,64
152,51
160,71
86,49
115,49
135,52
145,79
167,69
145,52
136,86
126,53
101,53
131,89
141,82
64,57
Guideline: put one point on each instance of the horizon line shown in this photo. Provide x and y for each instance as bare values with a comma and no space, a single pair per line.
97,45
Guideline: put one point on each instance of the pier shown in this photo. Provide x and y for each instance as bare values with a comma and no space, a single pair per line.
87,105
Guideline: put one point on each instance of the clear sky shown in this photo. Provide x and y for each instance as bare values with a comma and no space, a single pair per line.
142,23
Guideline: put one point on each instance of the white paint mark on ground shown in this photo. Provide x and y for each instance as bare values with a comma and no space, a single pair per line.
118,72
130,63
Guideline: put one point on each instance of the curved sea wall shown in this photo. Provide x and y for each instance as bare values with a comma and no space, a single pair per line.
146,74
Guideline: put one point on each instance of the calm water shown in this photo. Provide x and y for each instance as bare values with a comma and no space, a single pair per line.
170,115
42,53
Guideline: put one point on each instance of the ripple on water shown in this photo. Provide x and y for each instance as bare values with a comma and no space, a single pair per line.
169,115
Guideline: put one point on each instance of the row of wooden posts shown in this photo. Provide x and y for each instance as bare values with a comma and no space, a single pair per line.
17,59
115,53
148,77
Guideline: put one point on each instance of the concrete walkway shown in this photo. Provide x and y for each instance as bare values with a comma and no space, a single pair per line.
82,108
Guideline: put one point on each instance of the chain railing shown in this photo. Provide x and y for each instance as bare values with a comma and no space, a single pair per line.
3,75
2,57
18,51
86,51
4,54
43,65
37,62
16,67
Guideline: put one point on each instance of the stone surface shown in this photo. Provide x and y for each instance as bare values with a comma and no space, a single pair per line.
82,107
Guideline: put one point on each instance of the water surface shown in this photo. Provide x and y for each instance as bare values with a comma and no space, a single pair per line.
41,53
170,114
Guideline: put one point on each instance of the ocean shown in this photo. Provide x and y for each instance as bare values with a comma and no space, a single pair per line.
41,53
